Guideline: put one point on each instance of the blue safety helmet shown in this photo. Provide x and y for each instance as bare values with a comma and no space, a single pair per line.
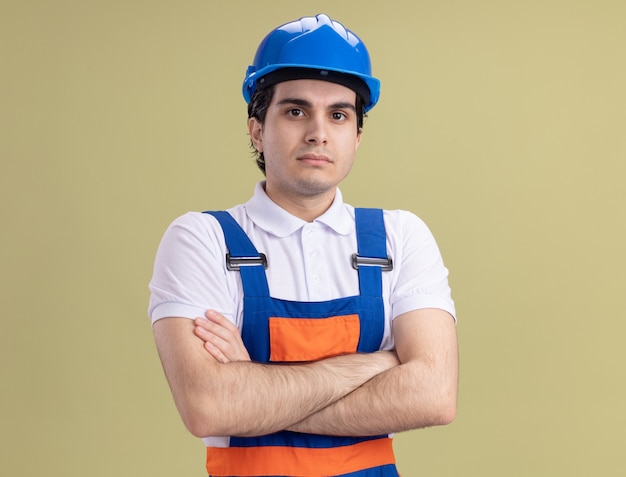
313,48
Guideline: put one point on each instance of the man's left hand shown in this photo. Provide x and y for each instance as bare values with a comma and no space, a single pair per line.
221,338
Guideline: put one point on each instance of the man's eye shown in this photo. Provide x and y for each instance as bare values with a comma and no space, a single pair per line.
339,116
295,112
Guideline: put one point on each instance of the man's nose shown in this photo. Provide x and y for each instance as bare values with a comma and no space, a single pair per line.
317,132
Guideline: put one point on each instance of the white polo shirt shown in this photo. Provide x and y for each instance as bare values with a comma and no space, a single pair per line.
306,262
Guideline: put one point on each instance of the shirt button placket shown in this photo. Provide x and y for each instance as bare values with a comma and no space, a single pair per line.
311,252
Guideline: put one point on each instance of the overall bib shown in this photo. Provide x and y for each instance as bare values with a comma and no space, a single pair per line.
282,331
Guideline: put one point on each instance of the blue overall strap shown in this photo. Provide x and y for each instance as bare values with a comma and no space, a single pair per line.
372,258
243,255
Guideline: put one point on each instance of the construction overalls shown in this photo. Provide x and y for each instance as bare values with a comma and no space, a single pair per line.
287,331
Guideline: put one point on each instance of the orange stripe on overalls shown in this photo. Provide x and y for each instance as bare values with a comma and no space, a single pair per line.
302,462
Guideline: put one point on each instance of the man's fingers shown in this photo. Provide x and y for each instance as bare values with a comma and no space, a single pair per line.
216,353
219,319
222,338
212,343
221,327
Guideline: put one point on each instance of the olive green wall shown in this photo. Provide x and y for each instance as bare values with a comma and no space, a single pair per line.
502,124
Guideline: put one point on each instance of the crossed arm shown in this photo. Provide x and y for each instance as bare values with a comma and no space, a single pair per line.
218,391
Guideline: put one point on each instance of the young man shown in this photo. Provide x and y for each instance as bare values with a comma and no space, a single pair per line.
297,332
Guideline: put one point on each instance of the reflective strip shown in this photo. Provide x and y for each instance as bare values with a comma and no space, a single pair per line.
310,339
298,461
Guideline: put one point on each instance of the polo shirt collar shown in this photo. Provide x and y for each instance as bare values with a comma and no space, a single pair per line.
274,219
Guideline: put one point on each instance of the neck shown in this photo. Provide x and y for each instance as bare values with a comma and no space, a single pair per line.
307,208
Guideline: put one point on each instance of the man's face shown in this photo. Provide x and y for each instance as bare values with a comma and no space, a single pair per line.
309,139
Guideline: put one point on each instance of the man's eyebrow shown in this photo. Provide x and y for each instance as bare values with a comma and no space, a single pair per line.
295,101
343,105
307,104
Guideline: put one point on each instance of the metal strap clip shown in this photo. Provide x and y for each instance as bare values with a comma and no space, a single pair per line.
235,263
386,264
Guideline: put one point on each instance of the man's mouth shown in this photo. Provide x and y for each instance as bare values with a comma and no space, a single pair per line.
315,159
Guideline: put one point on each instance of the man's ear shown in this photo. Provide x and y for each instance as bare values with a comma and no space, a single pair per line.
359,136
255,129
